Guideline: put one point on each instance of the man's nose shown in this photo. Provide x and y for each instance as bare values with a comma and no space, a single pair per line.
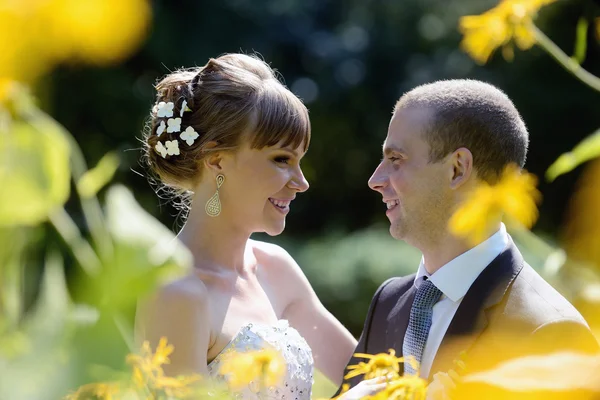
378,181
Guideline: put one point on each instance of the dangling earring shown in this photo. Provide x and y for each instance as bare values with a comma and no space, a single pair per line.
213,205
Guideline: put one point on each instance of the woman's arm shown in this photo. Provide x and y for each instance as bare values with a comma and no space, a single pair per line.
180,313
331,343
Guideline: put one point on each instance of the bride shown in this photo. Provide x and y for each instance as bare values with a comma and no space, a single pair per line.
233,135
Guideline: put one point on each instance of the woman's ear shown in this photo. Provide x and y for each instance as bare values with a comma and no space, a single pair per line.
212,162
462,167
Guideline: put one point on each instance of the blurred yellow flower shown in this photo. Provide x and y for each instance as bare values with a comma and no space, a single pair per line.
35,35
147,378
102,391
379,365
148,365
266,367
407,387
510,19
4,88
560,375
179,387
581,234
100,31
515,195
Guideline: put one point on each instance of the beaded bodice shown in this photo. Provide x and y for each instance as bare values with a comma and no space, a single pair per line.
298,379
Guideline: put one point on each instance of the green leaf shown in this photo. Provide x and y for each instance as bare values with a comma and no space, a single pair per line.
12,264
580,40
129,223
51,311
34,170
46,332
586,150
96,178
146,255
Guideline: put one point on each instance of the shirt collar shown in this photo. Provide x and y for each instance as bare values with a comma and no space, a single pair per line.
456,277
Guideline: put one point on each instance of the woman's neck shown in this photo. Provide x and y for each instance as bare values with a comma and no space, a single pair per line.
214,243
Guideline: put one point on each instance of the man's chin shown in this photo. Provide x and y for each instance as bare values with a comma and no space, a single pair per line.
397,232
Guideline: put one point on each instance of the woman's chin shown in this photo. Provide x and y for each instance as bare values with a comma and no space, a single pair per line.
275,229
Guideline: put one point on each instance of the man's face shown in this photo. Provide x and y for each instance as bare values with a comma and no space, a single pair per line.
417,192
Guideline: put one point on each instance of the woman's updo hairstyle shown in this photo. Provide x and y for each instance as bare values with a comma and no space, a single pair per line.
232,98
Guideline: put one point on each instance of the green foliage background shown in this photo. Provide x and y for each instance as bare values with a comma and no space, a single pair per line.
361,56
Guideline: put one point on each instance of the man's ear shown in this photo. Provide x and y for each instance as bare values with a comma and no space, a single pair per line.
461,162
213,161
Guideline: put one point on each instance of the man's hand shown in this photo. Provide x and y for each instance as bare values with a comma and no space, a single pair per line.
442,385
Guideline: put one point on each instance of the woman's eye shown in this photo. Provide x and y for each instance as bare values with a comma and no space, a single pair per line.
282,160
393,159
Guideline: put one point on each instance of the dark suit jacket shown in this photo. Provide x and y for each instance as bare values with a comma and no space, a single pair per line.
509,311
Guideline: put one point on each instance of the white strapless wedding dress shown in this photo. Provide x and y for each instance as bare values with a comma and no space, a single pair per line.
298,380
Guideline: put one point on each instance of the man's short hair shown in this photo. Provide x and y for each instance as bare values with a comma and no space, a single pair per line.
472,114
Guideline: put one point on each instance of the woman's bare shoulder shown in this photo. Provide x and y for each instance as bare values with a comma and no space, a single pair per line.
171,305
187,291
276,261
270,255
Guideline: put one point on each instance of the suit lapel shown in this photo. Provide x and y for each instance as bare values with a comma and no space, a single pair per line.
398,321
471,318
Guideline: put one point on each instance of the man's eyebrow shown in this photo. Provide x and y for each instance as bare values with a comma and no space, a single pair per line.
391,149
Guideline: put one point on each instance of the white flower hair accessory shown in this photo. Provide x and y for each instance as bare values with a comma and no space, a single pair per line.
174,125
161,128
172,147
184,108
161,149
165,109
189,135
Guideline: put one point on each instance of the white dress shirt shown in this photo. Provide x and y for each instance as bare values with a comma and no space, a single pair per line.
454,280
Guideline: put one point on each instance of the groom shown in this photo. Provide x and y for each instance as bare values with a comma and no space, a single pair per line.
484,301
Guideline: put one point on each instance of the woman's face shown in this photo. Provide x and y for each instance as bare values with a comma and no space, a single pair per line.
260,186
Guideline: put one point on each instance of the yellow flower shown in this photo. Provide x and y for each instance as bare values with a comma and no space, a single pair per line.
138,378
264,366
148,365
35,35
559,375
510,19
180,387
5,85
163,351
100,32
147,375
407,387
581,233
515,196
379,365
101,391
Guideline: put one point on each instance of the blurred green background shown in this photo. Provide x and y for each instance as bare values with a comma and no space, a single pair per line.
349,61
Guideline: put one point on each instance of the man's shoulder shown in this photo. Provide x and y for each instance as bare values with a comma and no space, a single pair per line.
536,318
533,299
394,287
